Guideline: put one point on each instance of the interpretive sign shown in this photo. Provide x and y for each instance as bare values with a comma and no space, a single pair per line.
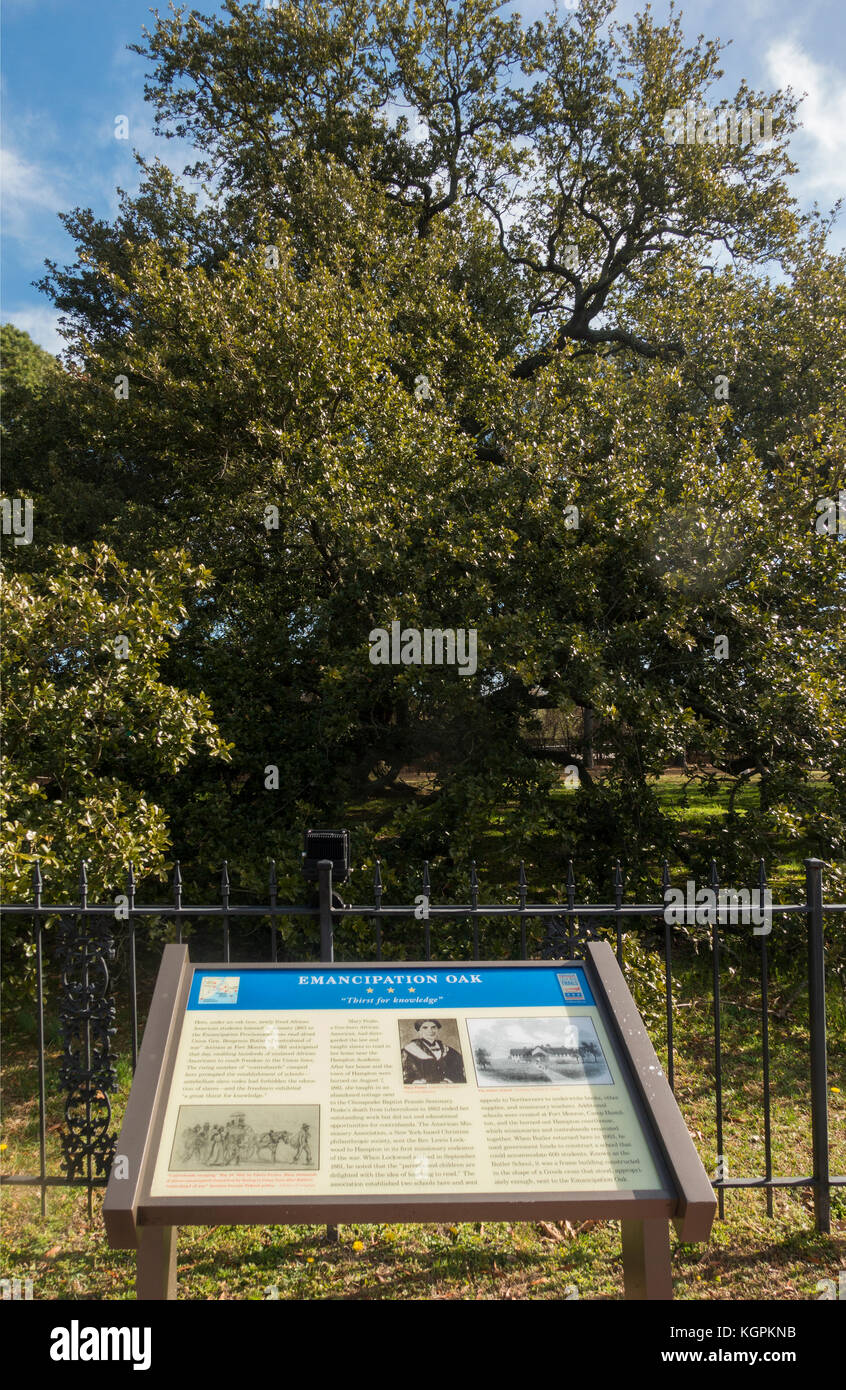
296,1093
403,1081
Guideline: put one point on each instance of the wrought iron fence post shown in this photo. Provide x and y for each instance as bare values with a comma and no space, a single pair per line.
324,888
427,894
377,900
177,899
133,982
224,896
819,1070
327,954
523,889
765,1040
618,903
37,885
722,1166
571,903
668,974
274,886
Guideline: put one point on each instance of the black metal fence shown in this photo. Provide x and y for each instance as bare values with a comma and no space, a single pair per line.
88,934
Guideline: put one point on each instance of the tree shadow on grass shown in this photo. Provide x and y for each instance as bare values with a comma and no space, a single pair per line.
443,1270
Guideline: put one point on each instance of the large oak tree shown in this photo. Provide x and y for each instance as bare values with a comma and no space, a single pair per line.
647,332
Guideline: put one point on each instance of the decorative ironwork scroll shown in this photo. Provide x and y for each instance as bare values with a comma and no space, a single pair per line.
86,1013
567,936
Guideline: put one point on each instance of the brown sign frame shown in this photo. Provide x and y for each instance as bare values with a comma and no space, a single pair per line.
136,1220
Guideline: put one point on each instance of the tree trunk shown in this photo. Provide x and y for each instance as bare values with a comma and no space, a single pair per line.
587,735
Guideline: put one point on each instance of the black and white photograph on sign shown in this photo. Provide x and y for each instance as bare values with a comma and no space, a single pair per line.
250,1137
537,1052
431,1052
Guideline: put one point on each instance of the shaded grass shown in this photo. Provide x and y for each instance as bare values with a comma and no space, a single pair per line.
698,805
749,1256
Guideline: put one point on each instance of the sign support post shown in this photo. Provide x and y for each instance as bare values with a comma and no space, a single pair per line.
156,1263
646,1259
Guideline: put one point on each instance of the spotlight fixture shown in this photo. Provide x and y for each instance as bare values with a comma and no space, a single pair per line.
327,844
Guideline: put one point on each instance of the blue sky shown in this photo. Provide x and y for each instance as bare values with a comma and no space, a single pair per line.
66,76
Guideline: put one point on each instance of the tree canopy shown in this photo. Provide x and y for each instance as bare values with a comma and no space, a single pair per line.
456,337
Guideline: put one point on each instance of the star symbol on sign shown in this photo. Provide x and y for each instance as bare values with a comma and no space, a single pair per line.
411,989
390,989
369,989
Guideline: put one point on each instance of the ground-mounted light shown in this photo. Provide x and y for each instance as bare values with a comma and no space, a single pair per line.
333,845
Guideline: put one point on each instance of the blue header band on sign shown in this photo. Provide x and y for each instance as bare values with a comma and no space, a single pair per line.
462,986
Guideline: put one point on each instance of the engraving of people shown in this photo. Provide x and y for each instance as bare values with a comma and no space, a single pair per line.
216,1156
237,1139
190,1142
429,1061
302,1144
233,1143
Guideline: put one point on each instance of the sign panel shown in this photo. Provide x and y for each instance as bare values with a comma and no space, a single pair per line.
379,1079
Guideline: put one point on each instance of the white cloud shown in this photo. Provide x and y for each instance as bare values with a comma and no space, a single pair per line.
820,146
41,324
30,193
